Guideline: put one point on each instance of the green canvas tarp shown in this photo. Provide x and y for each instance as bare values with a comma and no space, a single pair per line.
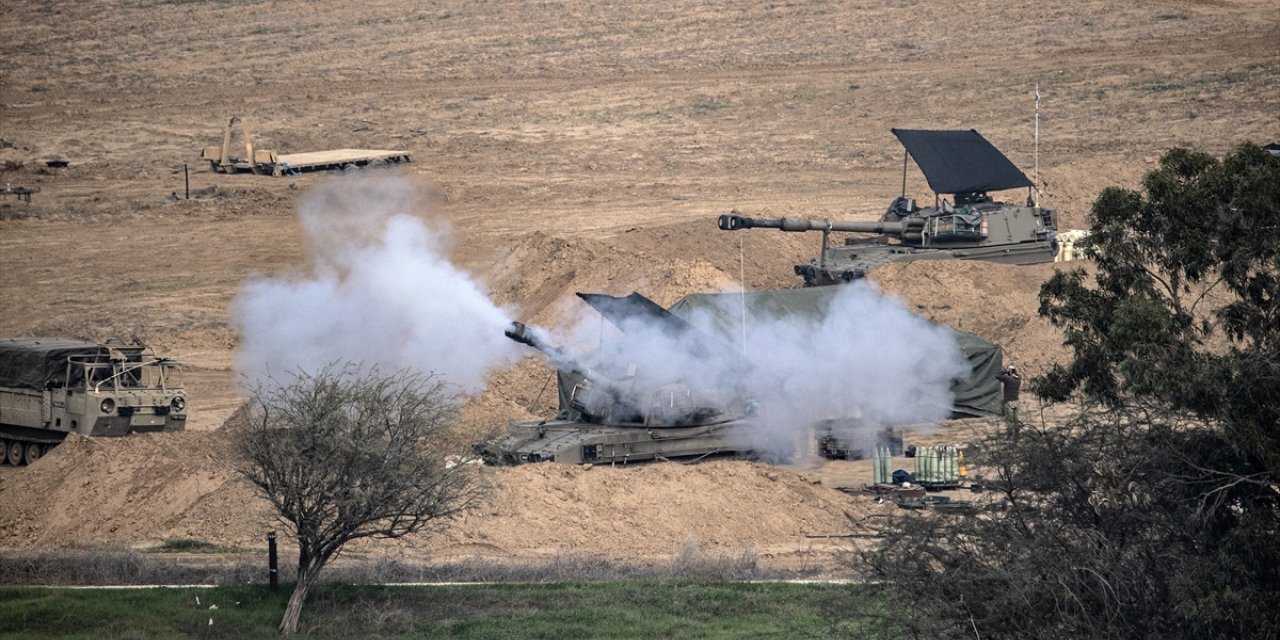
34,363
979,394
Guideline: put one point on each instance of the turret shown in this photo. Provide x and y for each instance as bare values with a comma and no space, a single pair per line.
624,398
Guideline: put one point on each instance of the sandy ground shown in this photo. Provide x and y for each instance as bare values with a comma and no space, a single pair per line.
573,147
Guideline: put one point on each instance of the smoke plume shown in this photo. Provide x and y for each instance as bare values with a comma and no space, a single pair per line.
865,357
379,292
861,357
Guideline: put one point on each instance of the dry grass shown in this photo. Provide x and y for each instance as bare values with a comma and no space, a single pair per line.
203,563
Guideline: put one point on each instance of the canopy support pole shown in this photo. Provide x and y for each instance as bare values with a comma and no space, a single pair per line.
904,172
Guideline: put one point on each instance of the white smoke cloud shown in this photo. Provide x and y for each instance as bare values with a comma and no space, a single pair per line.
380,292
865,356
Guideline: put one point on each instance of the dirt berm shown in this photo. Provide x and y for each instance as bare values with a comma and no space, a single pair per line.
145,489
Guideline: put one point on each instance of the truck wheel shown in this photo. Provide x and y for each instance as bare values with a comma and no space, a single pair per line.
32,452
13,453
4,452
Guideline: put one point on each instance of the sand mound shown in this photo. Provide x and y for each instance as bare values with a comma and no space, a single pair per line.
137,490
145,489
763,259
526,391
647,510
540,274
995,301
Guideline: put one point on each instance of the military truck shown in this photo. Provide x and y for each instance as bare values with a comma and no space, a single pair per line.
974,226
51,387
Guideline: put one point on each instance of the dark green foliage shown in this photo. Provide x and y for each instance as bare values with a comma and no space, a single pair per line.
1186,305
1156,512
1116,525
1185,316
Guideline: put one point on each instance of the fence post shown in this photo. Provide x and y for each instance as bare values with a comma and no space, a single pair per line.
271,560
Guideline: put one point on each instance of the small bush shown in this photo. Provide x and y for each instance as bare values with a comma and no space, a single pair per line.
187,545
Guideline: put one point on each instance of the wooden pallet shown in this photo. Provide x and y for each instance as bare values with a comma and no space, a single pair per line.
290,163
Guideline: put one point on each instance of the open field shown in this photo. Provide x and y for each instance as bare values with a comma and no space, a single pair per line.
571,147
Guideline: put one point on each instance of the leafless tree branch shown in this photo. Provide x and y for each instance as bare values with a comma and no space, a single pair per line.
346,453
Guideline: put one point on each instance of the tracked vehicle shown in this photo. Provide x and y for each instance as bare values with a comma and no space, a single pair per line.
647,405
970,226
618,413
51,387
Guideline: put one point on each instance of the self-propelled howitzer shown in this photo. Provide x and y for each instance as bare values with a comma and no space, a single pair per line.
975,227
596,397
616,413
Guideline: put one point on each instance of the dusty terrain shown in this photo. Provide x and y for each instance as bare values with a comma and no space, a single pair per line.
573,147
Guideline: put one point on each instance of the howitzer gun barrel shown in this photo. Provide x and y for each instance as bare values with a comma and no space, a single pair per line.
735,223
521,333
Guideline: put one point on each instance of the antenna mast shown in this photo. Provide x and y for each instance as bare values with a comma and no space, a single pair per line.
1036,180
742,295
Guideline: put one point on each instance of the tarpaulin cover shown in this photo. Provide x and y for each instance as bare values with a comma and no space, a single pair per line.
636,312
960,161
719,324
622,310
979,394
635,309
33,363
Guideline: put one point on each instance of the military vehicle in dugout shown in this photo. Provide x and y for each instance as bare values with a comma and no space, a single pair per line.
51,387
970,226
612,412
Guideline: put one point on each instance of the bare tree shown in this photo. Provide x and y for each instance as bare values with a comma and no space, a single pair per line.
345,453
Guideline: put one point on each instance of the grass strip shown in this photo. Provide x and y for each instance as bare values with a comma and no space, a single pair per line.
621,609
